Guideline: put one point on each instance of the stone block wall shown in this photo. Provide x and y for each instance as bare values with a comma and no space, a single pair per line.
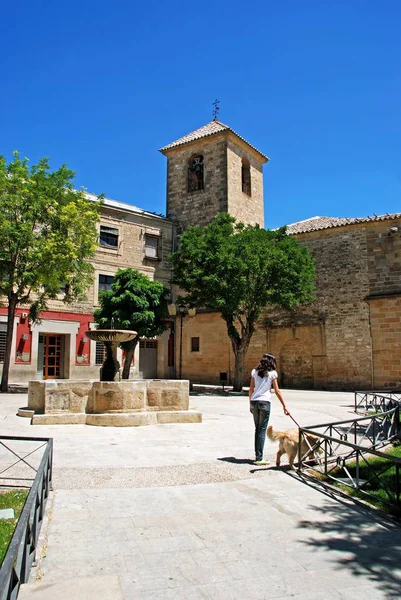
384,256
200,207
247,209
341,358
132,229
386,341
222,155
215,353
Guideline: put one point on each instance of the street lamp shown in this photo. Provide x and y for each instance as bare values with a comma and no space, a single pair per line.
182,312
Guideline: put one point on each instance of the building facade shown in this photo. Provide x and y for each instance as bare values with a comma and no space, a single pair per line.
57,347
348,338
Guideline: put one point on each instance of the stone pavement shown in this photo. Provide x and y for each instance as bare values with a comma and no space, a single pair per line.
179,512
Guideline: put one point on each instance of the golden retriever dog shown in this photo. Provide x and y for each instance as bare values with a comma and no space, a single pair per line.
289,442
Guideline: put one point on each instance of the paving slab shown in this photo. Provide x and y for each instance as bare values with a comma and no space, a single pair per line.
180,511
88,588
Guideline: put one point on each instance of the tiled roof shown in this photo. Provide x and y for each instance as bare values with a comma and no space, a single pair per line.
123,206
318,223
207,130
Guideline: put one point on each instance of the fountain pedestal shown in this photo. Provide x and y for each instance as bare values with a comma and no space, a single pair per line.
111,338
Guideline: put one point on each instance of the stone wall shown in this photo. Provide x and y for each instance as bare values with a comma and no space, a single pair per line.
348,338
215,353
335,328
247,209
386,341
132,228
384,256
222,155
200,207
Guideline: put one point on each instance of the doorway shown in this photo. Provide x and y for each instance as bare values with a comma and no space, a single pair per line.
50,356
148,358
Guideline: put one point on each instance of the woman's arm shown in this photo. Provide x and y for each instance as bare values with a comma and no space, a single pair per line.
251,388
279,396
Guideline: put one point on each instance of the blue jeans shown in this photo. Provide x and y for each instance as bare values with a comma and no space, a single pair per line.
261,413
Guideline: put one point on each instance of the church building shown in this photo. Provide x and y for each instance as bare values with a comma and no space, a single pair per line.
348,338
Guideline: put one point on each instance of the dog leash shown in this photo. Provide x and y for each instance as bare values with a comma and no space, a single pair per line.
296,423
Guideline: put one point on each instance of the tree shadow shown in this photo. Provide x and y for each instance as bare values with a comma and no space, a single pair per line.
215,391
370,541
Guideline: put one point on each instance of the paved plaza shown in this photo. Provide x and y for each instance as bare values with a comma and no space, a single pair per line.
180,512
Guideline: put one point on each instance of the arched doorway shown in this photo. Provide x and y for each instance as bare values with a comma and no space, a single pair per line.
296,369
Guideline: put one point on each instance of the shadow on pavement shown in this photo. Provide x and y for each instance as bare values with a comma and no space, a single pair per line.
208,391
271,467
237,461
370,542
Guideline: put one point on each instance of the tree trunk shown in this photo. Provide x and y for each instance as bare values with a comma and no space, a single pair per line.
12,304
239,354
129,355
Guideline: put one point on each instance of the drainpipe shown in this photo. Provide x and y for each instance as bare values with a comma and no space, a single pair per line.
372,370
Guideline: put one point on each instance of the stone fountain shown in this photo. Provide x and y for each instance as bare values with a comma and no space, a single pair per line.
111,338
125,403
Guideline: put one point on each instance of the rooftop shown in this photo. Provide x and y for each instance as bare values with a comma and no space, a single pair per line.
319,223
212,128
123,206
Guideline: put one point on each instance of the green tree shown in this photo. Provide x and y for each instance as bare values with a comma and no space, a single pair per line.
47,234
240,270
134,302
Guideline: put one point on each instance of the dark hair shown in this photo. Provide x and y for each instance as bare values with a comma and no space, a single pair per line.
267,363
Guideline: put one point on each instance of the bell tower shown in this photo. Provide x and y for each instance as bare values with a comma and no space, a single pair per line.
212,170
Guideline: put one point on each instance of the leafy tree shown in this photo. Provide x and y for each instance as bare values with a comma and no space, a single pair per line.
134,302
47,234
239,270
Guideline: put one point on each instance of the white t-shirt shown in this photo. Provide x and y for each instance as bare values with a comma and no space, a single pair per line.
263,385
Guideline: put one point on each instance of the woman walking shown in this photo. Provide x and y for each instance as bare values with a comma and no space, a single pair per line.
263,378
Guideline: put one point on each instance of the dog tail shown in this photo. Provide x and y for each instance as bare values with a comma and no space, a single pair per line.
271,434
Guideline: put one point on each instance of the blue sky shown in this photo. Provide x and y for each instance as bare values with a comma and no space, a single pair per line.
315,85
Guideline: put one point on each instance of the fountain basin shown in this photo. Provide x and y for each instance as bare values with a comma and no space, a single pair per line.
126,403
114,336
111,338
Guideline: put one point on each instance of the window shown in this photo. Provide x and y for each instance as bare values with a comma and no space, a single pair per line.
152,246
246,177
100,353
105,282
148,344
108,237
3,334
64,289
195,344
195,173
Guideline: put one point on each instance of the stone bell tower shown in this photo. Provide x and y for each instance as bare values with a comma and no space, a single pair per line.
212,170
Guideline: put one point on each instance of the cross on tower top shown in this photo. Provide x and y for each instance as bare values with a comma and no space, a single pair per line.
216,109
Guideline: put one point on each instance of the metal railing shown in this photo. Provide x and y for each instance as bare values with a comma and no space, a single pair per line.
23,472
338,451
376,401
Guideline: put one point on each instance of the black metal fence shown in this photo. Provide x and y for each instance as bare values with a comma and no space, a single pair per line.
338,452
376,401
24,462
